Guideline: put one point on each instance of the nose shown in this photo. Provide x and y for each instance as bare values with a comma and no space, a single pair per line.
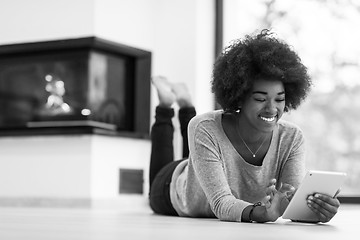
271,107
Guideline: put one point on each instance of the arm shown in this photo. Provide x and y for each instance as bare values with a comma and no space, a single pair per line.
209,170
293,164
325,207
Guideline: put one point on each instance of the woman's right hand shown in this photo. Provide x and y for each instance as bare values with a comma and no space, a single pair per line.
275,202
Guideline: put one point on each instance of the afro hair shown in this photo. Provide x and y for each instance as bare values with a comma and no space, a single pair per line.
261,56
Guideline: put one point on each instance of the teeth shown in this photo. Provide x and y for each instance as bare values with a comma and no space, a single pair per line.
267,119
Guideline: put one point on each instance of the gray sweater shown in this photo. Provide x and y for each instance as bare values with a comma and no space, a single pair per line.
217,182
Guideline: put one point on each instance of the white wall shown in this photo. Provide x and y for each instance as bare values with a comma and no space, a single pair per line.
38,20
45,167
179,33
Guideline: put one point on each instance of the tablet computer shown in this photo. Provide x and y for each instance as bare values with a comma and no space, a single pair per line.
314,182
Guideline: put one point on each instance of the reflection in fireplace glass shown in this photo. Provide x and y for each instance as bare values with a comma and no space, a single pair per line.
68,86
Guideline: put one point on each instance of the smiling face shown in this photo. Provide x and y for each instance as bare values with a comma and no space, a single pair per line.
264,106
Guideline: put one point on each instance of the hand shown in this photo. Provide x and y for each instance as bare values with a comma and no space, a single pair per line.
286,191
277,200
324,206
280,198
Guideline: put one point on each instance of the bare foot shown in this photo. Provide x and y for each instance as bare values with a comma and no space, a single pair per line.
182,95
164,90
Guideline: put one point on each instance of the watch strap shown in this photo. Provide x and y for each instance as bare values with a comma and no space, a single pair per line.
252,209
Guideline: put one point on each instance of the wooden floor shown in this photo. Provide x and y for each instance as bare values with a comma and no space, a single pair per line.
140,223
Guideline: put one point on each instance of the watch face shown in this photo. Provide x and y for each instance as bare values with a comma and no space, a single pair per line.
258,204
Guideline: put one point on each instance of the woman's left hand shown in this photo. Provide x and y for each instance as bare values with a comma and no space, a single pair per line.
324,206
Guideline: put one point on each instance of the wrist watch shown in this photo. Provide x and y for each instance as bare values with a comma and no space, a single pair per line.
252,209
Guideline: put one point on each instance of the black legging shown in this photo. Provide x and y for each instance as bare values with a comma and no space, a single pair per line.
162,162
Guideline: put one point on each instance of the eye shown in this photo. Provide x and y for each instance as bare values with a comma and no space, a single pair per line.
260,99
280,100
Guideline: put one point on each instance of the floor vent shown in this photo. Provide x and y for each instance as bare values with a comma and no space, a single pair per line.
131,181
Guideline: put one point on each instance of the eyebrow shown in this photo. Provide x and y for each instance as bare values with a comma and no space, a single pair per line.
265,93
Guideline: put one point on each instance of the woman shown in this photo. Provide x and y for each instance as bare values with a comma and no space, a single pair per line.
244,163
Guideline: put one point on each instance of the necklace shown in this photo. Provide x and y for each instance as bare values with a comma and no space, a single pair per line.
253,153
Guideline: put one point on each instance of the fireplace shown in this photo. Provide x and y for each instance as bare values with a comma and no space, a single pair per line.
83,85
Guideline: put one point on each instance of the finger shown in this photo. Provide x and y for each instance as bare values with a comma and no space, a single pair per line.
288,190
290,195
321,216
267,204
285,187
272,182
324,209
320,205
266,201
271,191
329,201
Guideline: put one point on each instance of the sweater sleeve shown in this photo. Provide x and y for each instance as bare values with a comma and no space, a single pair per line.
293,169
208,166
